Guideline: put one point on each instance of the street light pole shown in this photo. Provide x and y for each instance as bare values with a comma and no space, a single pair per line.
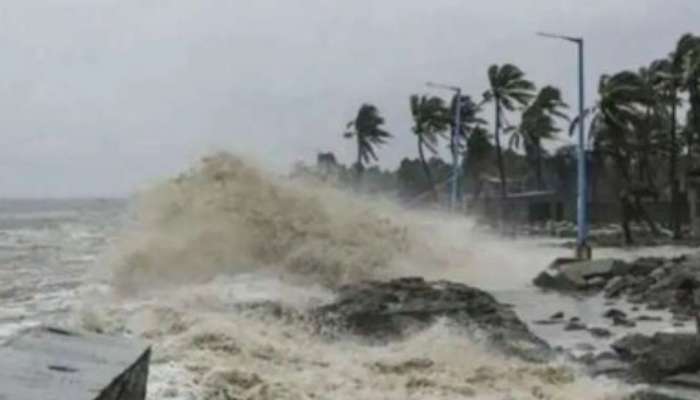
583,250
454,143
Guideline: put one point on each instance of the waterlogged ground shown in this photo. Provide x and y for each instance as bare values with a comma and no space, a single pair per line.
197,250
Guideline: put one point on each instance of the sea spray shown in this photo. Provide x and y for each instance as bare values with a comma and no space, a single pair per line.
225,216
226,233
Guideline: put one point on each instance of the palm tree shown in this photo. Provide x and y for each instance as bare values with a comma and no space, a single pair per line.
508,90
477,157
680,71
616,117
686,62
430,121
664,76
538,123
367,130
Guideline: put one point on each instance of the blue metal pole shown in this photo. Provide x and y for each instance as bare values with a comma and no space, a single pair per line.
582,212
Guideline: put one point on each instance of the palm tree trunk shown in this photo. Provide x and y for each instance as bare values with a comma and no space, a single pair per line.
426,169
358,164
538,166
499,155
626,205
675,211
694,109
627,208
643,150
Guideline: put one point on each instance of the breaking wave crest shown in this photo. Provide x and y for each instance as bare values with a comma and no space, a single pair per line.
227,216
226,234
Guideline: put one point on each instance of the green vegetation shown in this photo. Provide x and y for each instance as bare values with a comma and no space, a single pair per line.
638,141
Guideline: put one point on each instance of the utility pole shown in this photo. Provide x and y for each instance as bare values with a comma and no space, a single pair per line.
583,250
454,142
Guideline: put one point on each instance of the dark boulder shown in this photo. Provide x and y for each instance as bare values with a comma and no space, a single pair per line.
599,332
633,346
571,275
615,286
558,315
575,326
646,265
660,356
614,313
381,311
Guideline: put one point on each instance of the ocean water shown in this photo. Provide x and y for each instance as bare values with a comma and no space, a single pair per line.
47,249
172,265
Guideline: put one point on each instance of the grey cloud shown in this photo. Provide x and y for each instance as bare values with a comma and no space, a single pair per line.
100,96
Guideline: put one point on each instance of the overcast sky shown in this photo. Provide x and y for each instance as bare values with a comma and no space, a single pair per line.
99,97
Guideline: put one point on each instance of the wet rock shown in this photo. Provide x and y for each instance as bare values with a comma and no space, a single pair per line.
660,356
646,265
548,322
587,358
599,332
681,318
615,286
658,274
584,347
559,315
383,311
686,380
656,305
609,367
596,283
623,322
575,326
568,274
614,313
632,346
648,318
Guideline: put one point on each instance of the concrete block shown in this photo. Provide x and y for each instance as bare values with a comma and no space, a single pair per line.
48,364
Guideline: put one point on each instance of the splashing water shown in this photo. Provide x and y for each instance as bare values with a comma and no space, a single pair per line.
227,217
227,233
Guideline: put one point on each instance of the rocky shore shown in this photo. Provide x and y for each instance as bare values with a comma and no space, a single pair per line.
645,285
649,282
379,312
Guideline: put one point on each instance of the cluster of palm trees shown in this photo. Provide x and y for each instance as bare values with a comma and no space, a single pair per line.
635,126
433,121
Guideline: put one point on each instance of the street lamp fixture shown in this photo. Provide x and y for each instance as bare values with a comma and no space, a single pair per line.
583,250
454,145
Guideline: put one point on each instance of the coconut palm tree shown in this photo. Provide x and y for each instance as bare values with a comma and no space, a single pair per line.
677,73
538,123
686,62
615,118
430,122
509,90
367,130
477,157
664,83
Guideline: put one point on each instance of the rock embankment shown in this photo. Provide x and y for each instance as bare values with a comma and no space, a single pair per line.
649,281
381,311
